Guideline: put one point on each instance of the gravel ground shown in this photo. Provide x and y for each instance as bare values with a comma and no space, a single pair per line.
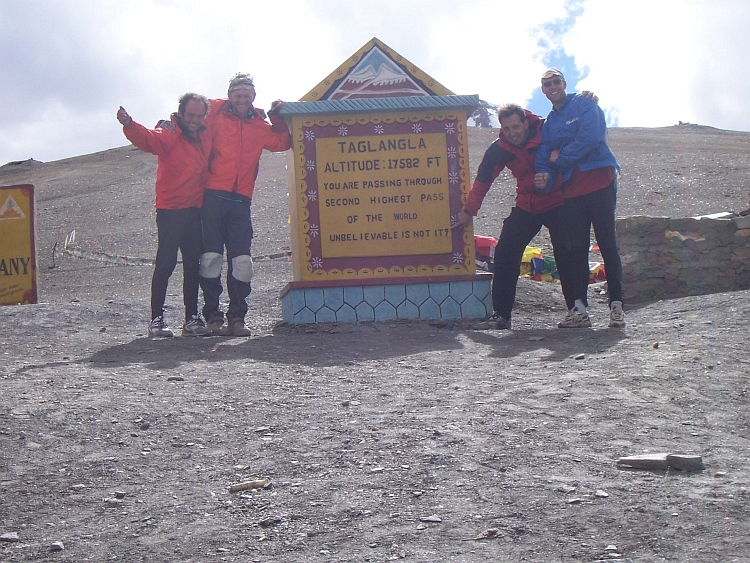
393,441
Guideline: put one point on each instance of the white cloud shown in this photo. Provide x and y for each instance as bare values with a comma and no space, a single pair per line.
657,63
68,65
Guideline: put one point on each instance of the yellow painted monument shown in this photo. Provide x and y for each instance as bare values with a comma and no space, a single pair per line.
378,172
17,245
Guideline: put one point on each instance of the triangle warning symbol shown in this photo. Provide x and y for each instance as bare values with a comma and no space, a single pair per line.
10,210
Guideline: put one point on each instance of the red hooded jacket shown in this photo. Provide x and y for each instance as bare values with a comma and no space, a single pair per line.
181,170
237,145
520,161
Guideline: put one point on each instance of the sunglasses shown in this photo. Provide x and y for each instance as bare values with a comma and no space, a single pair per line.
548,83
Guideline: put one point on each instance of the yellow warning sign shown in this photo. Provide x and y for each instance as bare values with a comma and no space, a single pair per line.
17,245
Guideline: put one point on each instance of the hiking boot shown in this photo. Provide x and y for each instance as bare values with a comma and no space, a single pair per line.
616,317
575,319
216,325
495,322
237,327
159,329
194,326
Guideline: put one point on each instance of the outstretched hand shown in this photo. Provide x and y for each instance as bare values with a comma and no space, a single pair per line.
123,117
276,107
464,217
591,96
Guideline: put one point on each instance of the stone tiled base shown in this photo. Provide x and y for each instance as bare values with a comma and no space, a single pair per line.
454,297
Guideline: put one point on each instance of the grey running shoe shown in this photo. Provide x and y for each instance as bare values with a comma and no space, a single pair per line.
159,329
194,326
237,327
495,322
616,317
575,319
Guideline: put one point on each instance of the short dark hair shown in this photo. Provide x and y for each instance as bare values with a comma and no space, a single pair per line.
189,97
510,109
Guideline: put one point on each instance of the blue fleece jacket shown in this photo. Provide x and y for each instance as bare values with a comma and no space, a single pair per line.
578,131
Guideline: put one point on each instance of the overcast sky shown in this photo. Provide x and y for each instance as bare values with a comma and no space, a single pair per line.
66,65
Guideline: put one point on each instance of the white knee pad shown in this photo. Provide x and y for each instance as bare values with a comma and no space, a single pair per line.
242,268
210,265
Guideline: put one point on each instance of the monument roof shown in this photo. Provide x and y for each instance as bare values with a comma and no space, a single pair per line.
369,105
375,71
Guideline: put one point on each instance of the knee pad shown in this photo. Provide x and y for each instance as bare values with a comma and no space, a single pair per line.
210,265
242,268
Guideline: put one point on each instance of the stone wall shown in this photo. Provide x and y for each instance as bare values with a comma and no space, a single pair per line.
665,258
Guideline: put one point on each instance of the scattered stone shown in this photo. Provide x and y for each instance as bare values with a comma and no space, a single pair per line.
611,547
662,461
175,378
145,425
567,489
435,519
10,537
421,527
57,546
103,329
120,494
270,521
262,429
417,493
579,357
685,462
535,338
574,501
223,550
655,345
377,469
247,485
720,474
489,534
601,494
113,502
645,461
78,487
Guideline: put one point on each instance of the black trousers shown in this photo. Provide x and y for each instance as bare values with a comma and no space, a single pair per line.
518,230
226,224
178,229
596,209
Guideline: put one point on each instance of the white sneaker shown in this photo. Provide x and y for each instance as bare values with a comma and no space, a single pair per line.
159,329
575,319
194,326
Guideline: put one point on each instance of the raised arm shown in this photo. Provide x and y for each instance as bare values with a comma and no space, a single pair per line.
155,141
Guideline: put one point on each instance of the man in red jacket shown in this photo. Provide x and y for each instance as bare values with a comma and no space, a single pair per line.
180,176
239,135
520,136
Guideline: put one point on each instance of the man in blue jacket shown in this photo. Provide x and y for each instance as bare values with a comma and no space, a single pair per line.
574,147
